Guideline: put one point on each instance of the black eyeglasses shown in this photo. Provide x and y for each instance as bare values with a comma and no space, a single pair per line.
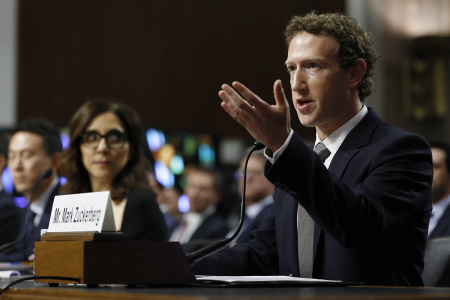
115,139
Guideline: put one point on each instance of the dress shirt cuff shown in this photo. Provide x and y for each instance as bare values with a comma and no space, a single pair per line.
273,157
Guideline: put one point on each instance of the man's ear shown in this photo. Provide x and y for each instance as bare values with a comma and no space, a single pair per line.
3,163
56,161
357,72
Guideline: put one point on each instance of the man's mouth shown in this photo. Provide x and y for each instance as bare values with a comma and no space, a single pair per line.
302,103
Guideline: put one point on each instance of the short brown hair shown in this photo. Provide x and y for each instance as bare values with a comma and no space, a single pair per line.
133,175
354,42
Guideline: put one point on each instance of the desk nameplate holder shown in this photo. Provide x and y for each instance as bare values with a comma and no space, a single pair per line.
101,258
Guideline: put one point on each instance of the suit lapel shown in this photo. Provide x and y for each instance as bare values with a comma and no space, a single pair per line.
357,138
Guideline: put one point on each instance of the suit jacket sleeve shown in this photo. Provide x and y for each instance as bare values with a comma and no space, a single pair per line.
142,218
257,257
9,221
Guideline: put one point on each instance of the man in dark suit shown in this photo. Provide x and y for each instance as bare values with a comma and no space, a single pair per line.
202,222
358,210
9,212
440,218
35,146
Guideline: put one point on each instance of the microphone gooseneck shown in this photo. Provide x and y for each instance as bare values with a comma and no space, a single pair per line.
46,174
216,246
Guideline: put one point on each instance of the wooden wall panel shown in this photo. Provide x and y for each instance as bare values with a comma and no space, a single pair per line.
166,59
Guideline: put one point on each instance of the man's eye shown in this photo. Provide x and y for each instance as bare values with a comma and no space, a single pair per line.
291,69
313,65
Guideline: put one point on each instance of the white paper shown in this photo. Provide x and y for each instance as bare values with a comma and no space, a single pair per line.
9,274
231,279
82,212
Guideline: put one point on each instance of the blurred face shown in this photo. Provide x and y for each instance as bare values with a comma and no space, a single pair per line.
27,161
102,162
200,191
320,88
441,176
257,185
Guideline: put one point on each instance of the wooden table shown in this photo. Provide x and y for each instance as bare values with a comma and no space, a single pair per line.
31,290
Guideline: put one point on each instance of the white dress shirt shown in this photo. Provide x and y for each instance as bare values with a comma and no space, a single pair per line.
189,224
332,142
38,205
438,210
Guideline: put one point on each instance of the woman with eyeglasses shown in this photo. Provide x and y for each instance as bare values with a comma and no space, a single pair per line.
104,154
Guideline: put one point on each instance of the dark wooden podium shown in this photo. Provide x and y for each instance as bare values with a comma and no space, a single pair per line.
102,258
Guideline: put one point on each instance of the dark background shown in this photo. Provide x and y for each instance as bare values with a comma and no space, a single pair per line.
165,59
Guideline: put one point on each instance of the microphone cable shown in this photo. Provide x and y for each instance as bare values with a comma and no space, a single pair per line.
7,286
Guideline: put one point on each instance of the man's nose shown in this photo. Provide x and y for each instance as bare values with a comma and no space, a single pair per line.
299,81
15,163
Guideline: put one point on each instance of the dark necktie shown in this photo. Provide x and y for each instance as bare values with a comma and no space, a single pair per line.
30,226
306,228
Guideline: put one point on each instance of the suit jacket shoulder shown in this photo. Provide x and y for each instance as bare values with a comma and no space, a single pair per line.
245,236
9,218
142,218
213,227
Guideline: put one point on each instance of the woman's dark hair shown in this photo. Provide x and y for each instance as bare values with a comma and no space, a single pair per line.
133,176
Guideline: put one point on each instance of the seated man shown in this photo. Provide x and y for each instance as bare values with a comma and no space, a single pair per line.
201,222
35,146
357,207
9,212
258,195
440,219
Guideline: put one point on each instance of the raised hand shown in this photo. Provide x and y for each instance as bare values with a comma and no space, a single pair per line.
269,124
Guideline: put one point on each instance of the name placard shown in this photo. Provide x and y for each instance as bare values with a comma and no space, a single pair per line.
82,212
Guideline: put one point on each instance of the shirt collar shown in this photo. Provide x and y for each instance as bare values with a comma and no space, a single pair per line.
335,140
38,206
253,210
441,206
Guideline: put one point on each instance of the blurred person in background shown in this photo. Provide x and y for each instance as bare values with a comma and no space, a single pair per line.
104,154
258,194
167,199
202,222
35,146
440,217
9,212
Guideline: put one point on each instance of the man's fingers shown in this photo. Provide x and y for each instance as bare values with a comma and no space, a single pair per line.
280,97
249,96
233,99
238,115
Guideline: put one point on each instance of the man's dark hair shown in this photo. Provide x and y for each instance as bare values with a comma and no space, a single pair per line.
44,128
354,42
444,146
4,142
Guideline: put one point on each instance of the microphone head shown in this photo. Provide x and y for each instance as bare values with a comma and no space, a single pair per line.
47,173
258,146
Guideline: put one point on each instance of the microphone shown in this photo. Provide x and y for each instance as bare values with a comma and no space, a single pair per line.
216,246
46,174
